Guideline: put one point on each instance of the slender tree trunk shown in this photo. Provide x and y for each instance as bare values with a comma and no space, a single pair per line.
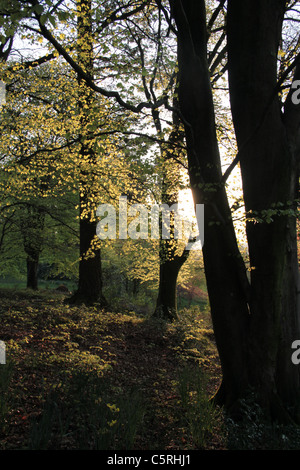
90,271
171,259
171,256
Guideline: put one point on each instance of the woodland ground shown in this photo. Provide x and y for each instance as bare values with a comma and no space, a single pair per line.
83,378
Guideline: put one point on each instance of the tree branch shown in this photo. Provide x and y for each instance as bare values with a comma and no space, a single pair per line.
86,77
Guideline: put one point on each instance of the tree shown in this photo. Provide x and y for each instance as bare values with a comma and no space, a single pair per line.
157,57
173,155
40,18
87,133
253,322
226,279
90,275
32,228
31,160
172,254
267,133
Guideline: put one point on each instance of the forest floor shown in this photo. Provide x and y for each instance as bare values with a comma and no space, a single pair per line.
83,378
79,377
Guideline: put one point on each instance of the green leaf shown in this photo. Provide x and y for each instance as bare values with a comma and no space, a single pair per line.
52,20
38,9
44,18
63,15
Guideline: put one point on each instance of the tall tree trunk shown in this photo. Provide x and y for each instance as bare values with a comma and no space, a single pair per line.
226,277
254,323
270,178
90,271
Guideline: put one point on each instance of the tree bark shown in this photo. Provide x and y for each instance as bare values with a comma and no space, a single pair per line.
254,323
226,278
90,270
270,178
